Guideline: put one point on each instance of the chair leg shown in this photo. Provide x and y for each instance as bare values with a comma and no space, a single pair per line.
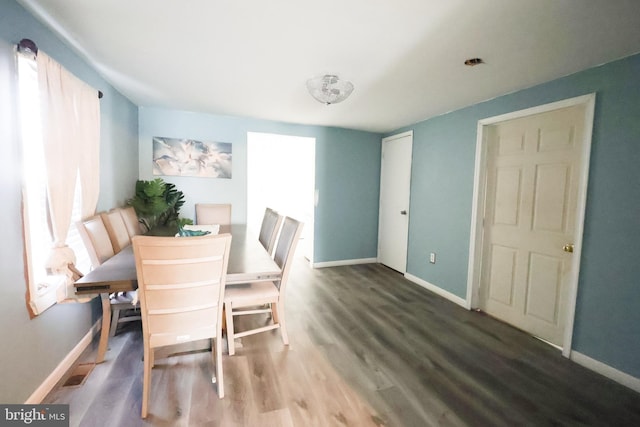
146,382
115,316
274,313
230,339
106,325
279,309
218,357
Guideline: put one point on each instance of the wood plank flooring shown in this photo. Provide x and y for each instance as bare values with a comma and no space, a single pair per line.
368,348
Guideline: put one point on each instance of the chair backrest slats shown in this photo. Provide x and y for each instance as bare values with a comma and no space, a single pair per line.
181,286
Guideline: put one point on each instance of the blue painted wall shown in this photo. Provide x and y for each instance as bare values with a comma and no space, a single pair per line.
607,323
347,175
32,348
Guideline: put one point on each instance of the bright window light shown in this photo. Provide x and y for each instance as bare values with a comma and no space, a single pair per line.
38,239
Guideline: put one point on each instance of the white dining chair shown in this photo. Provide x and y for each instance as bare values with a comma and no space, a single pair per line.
130,218
211,213
240,300
117,229
98,241
269,230
181,283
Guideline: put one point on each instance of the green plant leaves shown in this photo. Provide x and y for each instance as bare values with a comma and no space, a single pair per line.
157,203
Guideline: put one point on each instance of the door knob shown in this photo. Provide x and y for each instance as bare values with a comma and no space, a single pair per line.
403,212
568,248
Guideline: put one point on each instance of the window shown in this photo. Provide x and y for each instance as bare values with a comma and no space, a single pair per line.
45,287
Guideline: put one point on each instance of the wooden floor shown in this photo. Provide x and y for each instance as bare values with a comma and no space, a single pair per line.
368,348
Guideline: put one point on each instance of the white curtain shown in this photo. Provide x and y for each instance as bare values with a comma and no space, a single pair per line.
71,138
89,167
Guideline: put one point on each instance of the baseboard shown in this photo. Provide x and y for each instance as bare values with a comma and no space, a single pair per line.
603,369
589,363
344,262
50,382
439,291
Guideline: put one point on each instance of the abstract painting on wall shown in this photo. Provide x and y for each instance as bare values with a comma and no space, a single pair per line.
188,157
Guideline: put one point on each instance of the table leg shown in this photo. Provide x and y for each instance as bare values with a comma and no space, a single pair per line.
106,323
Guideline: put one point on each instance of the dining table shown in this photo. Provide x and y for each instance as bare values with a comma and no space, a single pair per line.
249,261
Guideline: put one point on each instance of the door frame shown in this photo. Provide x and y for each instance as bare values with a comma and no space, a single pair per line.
387,139
478,207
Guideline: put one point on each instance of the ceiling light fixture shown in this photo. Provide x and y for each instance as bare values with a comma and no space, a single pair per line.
329,89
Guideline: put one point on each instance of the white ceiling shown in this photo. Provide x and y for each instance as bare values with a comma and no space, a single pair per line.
405,57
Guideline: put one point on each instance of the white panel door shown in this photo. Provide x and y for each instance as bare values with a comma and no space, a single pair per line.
395,181
533,167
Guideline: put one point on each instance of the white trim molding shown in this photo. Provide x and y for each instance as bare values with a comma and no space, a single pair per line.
398,135
63,367
438,291
603,369
343,262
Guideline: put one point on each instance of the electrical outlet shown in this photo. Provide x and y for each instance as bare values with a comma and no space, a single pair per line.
432,258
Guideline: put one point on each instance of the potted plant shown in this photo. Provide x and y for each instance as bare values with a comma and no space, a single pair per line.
158,204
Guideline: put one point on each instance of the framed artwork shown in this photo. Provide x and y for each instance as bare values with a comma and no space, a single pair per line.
188,157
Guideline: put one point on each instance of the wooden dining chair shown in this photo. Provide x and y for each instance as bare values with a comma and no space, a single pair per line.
130,218
209,213
269,230
247,298
99,244
96,239
181,283
117,229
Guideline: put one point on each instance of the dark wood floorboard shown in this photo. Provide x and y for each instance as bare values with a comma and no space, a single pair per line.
368,348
